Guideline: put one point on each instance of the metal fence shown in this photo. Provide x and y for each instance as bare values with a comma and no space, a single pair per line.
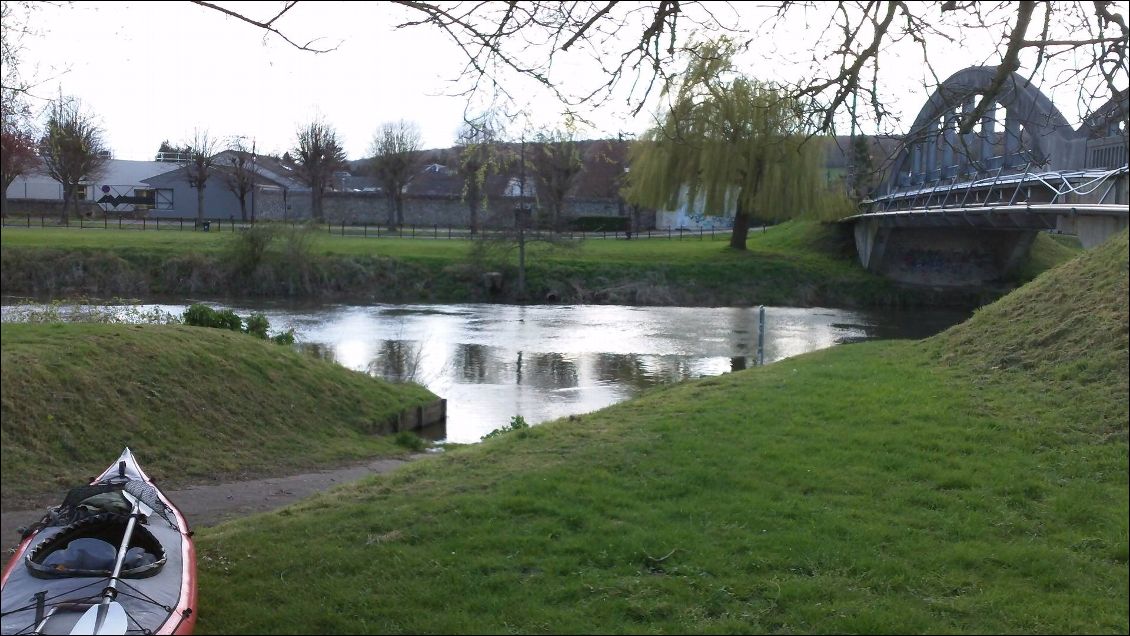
363,230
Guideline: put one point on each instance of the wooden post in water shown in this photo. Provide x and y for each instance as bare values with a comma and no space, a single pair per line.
761,335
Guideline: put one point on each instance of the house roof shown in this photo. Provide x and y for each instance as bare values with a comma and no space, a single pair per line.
124,172
279,172
217,171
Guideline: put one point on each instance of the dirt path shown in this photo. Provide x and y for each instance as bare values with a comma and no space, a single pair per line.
213,504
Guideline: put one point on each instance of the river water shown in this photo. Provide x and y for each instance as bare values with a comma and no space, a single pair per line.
492,362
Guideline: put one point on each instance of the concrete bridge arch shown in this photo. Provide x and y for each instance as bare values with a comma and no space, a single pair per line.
1022,131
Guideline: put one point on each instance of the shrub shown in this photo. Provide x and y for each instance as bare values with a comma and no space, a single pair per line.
517,423
257,325
200,315
409,440
247,249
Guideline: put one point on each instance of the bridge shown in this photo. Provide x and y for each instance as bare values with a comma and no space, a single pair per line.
962,209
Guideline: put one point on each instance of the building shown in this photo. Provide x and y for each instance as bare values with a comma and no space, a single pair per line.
274,182
119,178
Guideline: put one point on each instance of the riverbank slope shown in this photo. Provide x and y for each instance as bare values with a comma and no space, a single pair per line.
972,482
195,405
796,264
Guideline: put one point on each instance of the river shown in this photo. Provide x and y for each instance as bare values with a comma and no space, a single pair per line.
492,362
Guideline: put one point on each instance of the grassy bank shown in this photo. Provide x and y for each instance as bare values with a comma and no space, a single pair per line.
797,263
975,482
194,404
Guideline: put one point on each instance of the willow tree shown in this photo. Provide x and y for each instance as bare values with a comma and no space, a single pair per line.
479,155
728,142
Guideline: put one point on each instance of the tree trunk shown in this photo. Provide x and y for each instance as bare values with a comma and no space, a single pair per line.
4,201
741,229
399,211
316,203
66,202
200,205
391,214
243,208
474,206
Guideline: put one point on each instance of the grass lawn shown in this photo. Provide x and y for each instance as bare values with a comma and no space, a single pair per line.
796,263
975,482
195,404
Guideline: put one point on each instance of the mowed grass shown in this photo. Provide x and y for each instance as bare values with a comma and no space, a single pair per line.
976,482
194,404
790,238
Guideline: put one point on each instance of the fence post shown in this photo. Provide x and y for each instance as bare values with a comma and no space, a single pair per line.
435,231
143,223
119,222
29,219
343,228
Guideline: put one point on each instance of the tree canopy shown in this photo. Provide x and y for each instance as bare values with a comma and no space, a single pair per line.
842,49
729,142
72,148
318,154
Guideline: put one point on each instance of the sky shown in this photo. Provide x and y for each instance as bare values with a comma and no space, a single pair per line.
151,71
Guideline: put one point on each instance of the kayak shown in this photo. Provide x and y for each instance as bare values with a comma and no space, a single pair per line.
116,557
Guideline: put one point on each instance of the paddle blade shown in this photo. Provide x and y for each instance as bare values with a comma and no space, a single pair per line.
104,618
140,505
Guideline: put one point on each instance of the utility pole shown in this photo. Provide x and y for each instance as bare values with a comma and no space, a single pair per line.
254,173
520,220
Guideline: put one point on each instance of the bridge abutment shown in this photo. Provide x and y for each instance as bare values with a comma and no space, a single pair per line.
1092,230
940,256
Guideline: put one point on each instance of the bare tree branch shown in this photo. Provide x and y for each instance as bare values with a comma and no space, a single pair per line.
268,25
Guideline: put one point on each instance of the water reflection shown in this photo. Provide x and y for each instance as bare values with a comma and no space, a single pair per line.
397,360
492,362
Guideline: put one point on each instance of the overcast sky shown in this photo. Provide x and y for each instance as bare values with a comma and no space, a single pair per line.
158,70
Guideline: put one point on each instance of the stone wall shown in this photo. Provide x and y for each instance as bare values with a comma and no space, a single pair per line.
50,207
356,208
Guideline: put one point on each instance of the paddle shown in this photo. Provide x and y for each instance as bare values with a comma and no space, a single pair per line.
109,617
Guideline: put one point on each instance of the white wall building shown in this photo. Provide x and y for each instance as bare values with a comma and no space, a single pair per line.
118,177
694,217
